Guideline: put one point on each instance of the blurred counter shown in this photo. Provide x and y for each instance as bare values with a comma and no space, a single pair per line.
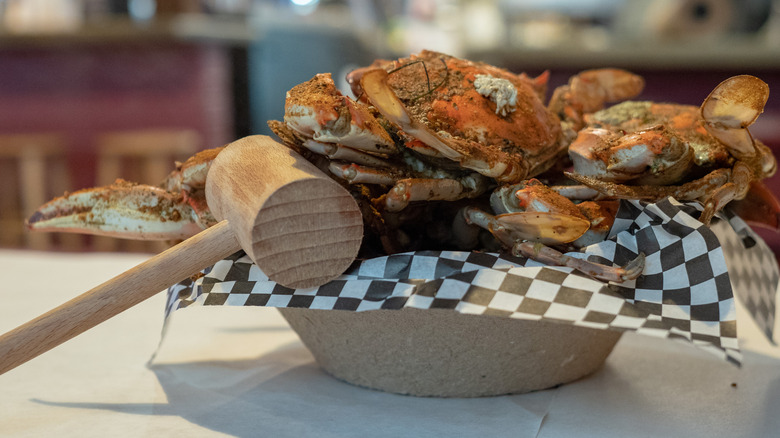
739,52
180,28
747,53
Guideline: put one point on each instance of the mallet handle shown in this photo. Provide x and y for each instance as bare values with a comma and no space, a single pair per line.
116,295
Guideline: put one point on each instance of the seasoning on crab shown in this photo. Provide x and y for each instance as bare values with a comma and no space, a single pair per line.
461,126
445,102
460,129
690,153
530,216
175,210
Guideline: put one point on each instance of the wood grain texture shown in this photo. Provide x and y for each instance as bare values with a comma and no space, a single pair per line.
116,295
300,227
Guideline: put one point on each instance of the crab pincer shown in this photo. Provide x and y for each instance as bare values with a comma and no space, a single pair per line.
531,233
174,210
542,227
122,209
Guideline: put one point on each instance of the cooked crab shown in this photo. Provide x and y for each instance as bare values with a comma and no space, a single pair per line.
174,210
649,151
431,127
437,128
449,124
434,127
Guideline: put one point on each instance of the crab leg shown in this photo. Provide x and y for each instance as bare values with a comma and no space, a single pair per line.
589,90
529,233
577,192
684,192
122,209
433,189
736,188
422,149
547,228
337,152
549,256
355,174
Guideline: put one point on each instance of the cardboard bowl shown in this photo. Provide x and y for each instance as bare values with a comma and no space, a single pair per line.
442,353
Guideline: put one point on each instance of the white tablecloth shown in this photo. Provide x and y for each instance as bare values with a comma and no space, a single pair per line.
243,372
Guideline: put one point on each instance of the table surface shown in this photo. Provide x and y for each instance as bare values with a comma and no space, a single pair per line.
243,372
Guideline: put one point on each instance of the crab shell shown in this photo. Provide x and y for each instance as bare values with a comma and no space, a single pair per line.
708,151
317,110
647,143
438,94
661,143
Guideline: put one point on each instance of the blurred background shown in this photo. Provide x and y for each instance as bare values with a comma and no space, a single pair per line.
95,89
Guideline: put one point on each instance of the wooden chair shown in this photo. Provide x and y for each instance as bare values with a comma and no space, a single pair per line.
143,156
33,169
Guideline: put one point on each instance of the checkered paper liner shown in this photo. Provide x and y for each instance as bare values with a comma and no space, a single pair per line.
685,291
753,270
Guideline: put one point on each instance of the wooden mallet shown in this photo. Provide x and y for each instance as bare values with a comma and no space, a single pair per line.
300,227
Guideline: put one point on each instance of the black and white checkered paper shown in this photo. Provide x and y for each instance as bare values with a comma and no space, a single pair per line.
684,292
753,271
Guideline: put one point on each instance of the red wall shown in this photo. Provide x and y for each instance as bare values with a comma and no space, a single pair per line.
82,91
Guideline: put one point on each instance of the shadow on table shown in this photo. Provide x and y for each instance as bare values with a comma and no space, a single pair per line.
283,393
652,387
646,385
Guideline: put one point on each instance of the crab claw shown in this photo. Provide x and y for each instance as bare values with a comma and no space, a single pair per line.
544,227
528,234
374,84
533,196
593,88
733,106
614,157
122,209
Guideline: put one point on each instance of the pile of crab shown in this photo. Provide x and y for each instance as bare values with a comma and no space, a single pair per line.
445,153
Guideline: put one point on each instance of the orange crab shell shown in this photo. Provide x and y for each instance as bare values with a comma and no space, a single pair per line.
534,191
684,121
439,91
457,108
330,109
